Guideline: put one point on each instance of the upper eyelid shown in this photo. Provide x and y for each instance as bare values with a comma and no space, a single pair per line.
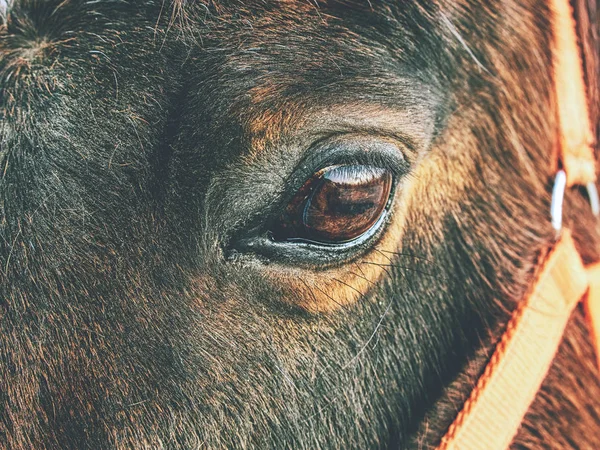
314,161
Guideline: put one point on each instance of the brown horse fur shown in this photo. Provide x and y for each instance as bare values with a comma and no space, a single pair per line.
143,144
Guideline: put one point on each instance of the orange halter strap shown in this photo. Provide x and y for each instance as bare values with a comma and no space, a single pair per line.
494,411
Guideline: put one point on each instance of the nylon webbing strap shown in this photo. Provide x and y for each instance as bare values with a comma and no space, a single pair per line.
493,413
592,306
576,137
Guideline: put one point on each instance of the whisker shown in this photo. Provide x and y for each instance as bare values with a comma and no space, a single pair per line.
408,255
363,274
313,370
354,358
351,287
383,254
323,408
397,266
362,277
463,43
383,266
328,296
345,366
315,347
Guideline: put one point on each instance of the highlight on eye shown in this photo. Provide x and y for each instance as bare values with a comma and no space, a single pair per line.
338,204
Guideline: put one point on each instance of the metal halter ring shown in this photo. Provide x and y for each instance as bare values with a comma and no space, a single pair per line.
558,196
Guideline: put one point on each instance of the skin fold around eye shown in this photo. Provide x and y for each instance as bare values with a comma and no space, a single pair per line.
328,238
336,205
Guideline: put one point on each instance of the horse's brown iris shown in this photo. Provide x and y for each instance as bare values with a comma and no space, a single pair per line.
337,204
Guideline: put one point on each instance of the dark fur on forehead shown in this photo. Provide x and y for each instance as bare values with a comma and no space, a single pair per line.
124,126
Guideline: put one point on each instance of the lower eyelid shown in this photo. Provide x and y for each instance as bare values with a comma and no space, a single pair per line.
319,279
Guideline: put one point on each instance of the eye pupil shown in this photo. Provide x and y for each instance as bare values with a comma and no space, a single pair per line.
338,204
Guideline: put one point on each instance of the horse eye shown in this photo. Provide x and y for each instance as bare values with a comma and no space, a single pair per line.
336,205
